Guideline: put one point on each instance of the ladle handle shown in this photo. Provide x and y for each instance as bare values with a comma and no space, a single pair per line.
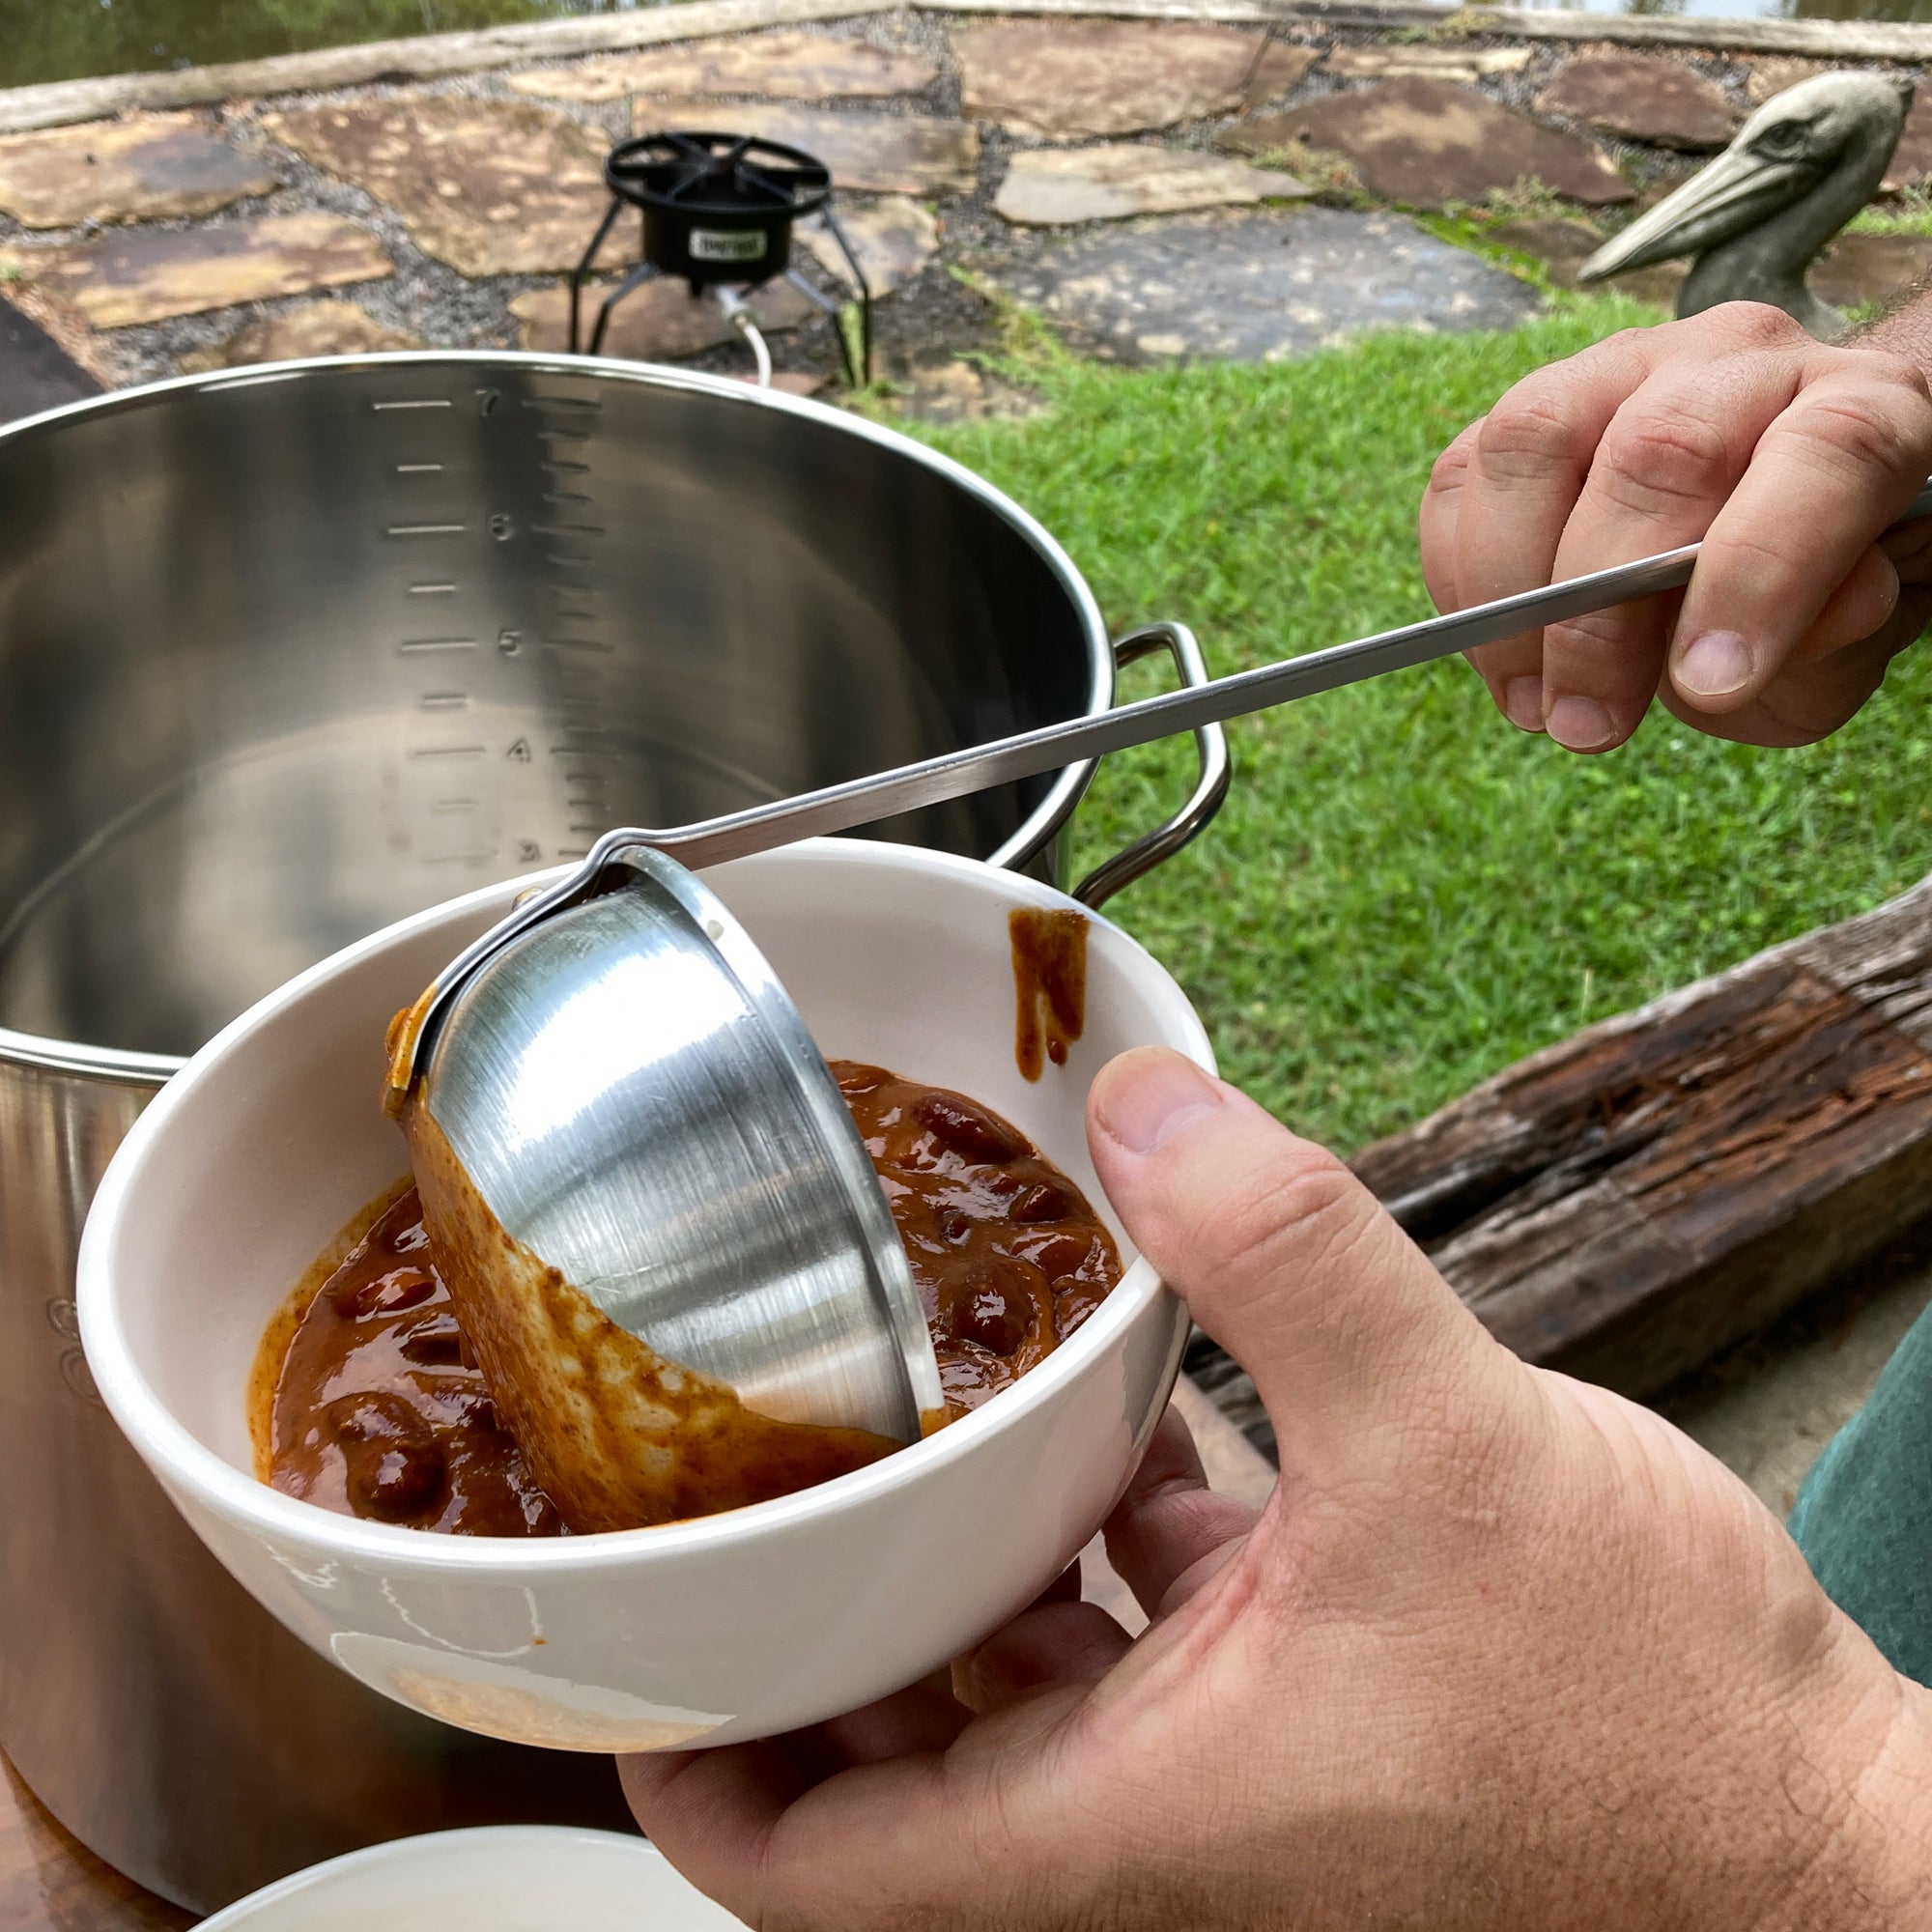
953,775
860,801
1001,761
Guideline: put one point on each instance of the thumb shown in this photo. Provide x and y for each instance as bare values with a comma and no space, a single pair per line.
1288,1263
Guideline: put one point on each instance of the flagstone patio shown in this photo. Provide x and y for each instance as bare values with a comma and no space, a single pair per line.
1096,166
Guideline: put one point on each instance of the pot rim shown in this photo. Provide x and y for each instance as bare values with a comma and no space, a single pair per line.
133,1067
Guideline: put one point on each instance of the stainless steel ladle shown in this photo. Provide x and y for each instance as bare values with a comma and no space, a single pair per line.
636,1100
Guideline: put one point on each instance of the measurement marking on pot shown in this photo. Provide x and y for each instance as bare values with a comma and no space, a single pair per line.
574,535
418,469
448,750
426,529
474,856
416,403
431,590
452,804
443,701
416,646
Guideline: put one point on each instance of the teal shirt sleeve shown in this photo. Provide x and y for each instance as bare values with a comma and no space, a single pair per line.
1863,1518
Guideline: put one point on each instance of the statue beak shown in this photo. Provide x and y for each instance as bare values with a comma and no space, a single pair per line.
1738,191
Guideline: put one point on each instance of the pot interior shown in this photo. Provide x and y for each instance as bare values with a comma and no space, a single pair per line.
286,657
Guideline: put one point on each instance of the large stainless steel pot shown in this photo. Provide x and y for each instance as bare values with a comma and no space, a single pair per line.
286,653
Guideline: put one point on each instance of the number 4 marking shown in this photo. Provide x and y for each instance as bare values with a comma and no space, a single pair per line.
519,752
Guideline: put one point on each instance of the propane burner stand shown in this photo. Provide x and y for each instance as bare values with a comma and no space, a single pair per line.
717,213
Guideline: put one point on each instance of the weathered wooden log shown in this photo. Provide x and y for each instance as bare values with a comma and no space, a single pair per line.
1630,1203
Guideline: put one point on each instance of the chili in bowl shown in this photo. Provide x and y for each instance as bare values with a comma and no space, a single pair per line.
721,1627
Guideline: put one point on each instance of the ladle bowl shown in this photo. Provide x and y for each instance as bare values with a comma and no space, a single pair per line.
627,1091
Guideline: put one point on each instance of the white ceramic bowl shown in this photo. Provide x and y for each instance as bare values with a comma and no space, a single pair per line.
729,1627
507,1878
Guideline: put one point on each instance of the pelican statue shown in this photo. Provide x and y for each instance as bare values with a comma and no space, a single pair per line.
1755,219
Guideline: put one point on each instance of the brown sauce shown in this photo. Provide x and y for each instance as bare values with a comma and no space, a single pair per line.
1050,984
385,1402
380,1409
618,1436
1008,1254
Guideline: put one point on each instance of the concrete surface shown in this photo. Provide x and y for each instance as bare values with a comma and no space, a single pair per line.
1765,1410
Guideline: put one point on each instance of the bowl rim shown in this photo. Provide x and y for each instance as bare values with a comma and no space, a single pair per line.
184,1461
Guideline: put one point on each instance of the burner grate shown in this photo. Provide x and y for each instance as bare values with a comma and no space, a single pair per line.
717,213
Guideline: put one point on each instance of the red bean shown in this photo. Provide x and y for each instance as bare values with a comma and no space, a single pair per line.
994,1315
394,1466
1044,1200
970,1131
1073,1301
387,1295
1000,1308
433,1342
470,1408
1055,1251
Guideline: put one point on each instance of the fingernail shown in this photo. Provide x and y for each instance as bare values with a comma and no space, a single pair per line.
1522,702
1145,1097
1713,665
1579,723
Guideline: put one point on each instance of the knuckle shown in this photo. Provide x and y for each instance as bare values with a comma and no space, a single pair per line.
1530,434
1859,429
1750,556
1897,372
1310,1210
1664,453
1759,326
1591,640
1451,470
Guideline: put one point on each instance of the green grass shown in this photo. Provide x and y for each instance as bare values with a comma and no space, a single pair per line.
1402,894
1909,212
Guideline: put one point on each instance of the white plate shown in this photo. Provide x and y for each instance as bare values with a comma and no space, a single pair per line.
507,1878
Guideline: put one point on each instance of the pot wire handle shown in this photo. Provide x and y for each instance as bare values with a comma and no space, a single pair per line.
1210,785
